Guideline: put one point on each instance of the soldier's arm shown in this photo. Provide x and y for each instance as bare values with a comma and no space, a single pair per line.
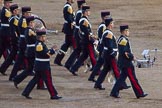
85,28
70,16
78,17
124,49
109,44
31,32
101,31
44,51
52,51
7,13
16,21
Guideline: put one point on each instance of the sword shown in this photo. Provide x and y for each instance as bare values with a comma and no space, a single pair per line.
60,51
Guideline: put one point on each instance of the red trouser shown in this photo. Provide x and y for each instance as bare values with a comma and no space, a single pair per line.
46,76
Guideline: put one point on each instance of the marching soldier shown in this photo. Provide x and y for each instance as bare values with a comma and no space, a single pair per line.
109,54
30,38
42,67
21,59
100,61
125,59
75,54
87,40
5,28
68,28
13,22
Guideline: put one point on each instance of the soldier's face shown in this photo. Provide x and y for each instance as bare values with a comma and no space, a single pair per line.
32,24
88,13
27,14
17,11
126,32
72,1
112,24
43,38
7,4
1,1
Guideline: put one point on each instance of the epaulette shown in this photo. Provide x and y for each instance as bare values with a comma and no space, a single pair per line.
7,13
16,22
104,28
109,35
24,23
39,47
31,33
86,23
70,10
123,42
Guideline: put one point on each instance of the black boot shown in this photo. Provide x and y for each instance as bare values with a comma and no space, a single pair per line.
56,97
58,59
